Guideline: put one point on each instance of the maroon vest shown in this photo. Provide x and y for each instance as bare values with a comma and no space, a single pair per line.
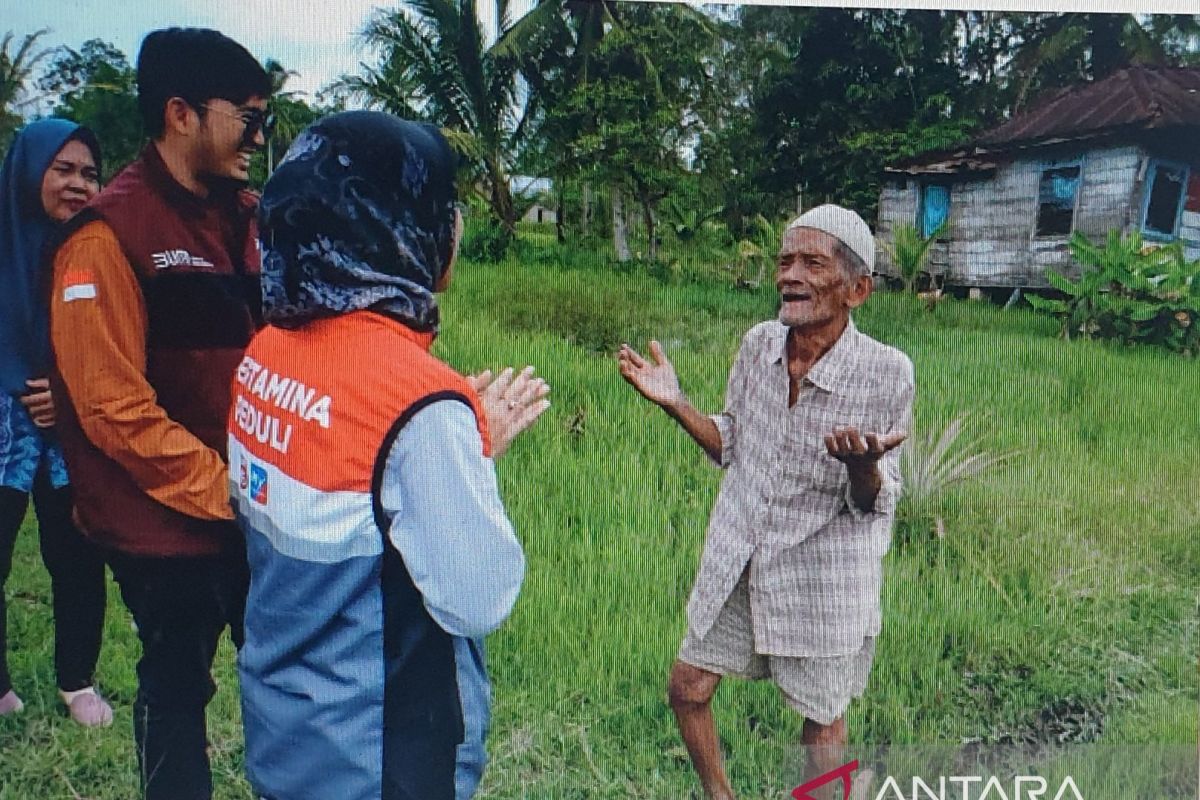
197,262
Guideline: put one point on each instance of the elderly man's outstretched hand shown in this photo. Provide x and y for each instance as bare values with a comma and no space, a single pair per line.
847,446
656,381
512,402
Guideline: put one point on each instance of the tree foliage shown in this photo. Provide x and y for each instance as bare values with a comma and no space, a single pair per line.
612,92
17,64
97,88
292,115
909,251
644,114
434,65
1129,293
1058,50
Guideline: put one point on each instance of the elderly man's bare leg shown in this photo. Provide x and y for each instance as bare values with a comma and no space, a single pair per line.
690,692
826,746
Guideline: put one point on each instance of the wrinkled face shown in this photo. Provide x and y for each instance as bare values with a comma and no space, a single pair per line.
70,181
814,288
223,149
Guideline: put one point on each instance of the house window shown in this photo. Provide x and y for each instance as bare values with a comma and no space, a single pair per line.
935,208
1057,192
1165,183
1192,203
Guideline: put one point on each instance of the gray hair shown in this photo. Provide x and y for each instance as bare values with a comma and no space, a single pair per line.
852,264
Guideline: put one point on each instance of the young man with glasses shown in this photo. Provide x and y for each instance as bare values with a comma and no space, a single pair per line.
155,296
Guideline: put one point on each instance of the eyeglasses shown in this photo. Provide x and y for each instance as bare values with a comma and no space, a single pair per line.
255,120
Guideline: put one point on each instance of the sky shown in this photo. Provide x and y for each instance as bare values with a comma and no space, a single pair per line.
317,38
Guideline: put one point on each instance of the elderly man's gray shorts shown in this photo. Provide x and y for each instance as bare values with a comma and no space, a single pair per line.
818,688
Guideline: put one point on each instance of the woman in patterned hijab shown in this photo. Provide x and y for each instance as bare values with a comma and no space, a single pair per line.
360,214
394,532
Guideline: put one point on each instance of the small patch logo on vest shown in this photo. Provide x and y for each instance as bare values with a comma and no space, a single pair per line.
258,484
178,258
78,284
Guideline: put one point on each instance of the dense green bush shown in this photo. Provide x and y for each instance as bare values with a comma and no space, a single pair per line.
595,316
485,239
1129,293
755,254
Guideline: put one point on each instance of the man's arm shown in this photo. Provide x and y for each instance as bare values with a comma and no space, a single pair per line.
658,383
701,428
863,458
97,328
873,460
448,522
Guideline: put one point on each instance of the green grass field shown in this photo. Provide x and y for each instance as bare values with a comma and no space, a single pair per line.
1061,605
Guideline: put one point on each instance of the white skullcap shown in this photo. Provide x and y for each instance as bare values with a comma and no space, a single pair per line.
845,226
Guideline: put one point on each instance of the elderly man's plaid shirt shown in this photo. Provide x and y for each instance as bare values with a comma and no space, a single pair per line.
784,505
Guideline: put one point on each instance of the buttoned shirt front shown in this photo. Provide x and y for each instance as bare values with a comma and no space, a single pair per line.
784,505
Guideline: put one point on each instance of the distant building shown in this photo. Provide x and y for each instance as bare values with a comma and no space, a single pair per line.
1121,153
539,213
527,188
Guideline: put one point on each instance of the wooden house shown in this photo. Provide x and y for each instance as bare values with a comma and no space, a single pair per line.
1123,153
533,190
540,214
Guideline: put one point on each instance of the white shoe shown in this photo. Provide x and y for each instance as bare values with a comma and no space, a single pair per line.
88,708
10,704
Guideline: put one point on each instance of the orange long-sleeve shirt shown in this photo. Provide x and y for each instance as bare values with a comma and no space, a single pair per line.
98,327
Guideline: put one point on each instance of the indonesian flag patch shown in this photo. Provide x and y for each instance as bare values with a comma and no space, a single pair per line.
78,284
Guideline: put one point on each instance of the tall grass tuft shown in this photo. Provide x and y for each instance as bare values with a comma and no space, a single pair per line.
931,464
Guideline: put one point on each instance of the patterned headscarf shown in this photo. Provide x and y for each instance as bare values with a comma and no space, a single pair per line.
359,214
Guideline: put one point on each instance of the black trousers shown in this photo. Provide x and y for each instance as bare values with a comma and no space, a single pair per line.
76,570
181,607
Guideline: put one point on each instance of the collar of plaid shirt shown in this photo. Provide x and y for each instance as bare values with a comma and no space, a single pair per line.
831,371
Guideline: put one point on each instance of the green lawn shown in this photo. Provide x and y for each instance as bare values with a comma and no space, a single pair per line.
1061,604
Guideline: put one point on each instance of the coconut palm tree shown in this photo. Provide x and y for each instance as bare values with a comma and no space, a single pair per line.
292,114
1064,49
555,47
562,49
434,65
16,69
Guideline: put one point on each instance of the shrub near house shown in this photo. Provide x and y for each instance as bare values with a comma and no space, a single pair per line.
1129,293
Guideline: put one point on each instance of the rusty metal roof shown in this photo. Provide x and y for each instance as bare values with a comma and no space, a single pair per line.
1136,97
958,163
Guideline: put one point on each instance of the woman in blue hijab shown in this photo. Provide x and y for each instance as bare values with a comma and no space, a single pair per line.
49,174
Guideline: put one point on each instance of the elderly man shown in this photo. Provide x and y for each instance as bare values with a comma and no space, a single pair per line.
789,582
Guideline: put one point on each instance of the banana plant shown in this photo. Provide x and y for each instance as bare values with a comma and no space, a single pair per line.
1128,292
909,251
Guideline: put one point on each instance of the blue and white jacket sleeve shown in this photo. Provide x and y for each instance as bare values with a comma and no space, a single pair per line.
448,523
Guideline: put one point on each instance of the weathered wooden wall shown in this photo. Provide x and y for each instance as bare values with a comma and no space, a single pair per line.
991,238
898,202
1189,233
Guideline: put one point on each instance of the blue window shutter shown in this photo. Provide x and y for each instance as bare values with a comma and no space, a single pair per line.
935,207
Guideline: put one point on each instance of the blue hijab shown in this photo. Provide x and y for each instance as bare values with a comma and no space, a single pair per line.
24,230
359,214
